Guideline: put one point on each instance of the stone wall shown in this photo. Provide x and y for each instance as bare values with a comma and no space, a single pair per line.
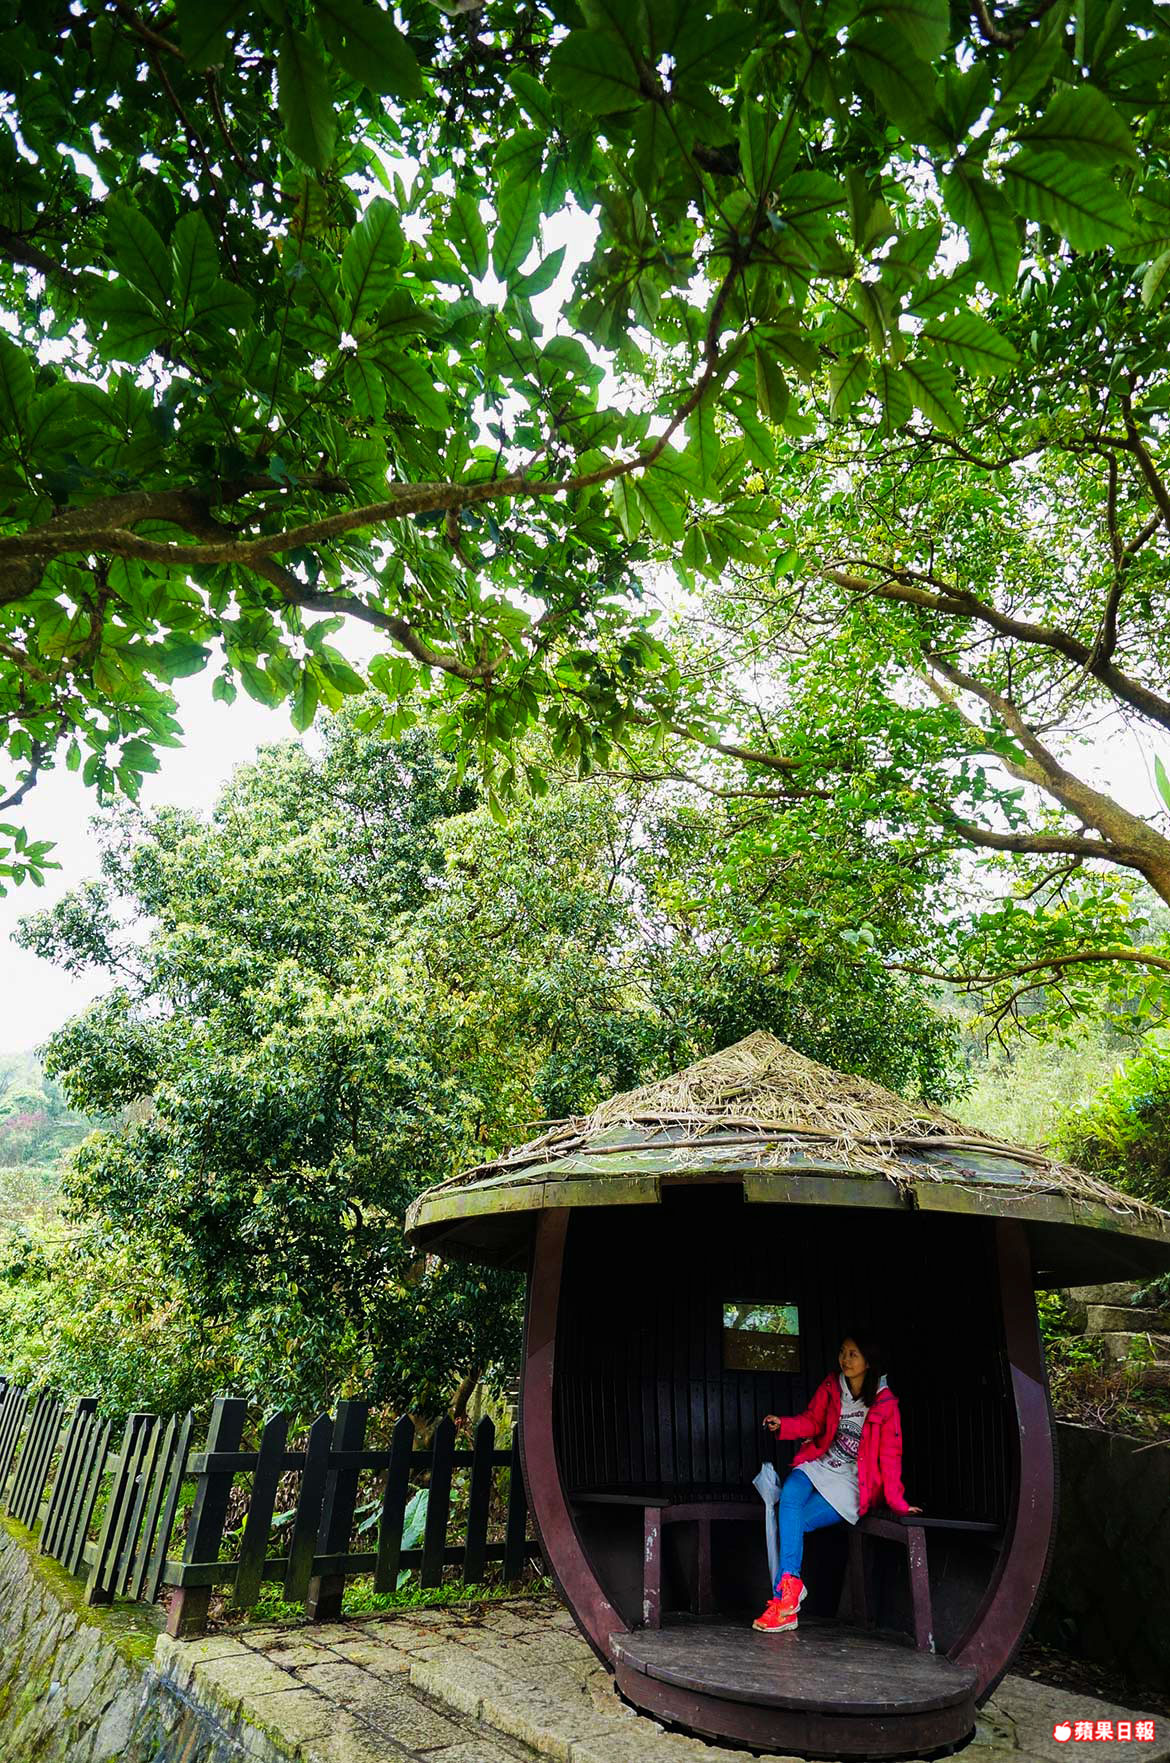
1108,1596
81,1686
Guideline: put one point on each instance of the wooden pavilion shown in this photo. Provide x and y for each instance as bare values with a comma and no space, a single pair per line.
695,1251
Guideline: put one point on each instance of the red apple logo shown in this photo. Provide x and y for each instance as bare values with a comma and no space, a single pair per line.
1062,1732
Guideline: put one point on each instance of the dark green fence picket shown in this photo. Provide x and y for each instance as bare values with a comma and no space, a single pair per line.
65,1480
516,1528
73,1553
141,1472
24,1502
116,1518
213,1489
155,1553
438,1502
323,1598
12,1419
395,1495
479,1503
261,1505
307,1523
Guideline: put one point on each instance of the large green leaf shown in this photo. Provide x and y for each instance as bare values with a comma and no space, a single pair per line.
659,497
847,381
595,71
1156,281
224,306
932,388
533,96
969,342
992,229
910,256
703,450
516,228
366,386
768,146
306,103
195,261
627,507
542,277
370,47
469,235
1032,61
371,259
894,392
772,394
138,253
131,326
203,27
1080,122
924,23
411,388
900,80
1153,218
1081,204
16,389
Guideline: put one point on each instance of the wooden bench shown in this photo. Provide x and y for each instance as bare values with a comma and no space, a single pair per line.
910,1530
658,1510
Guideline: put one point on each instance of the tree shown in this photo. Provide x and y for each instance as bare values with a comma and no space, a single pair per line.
951,626
257,373
356,984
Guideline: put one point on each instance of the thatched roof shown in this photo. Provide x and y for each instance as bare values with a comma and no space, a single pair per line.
761,1110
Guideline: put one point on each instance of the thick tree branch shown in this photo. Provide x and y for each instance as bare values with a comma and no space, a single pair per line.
36,760
403,633
1026,843
1053,963
1132,840
903,586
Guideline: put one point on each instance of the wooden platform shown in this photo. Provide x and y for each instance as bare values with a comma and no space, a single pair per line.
824,1690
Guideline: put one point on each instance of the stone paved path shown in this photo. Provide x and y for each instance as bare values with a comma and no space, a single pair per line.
513,1683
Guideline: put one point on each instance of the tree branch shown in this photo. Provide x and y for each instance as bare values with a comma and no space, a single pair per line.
1054,963
902,586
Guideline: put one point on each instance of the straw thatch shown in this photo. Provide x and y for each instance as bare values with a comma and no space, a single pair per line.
772,1099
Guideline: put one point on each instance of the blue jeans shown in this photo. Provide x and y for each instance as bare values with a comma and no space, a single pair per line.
802,1508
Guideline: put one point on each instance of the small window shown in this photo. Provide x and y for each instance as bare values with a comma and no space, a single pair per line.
761,1337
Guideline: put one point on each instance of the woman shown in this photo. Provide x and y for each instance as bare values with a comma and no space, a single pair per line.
852,1462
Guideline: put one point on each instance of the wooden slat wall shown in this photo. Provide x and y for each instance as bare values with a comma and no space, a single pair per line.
643,1400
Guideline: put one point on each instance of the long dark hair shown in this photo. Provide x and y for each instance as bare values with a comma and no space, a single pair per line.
873,1351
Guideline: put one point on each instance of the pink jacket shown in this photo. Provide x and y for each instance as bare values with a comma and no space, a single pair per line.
879,1455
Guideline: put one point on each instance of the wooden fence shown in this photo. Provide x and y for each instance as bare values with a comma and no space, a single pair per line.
109,1510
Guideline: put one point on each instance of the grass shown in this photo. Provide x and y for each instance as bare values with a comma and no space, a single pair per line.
362,1600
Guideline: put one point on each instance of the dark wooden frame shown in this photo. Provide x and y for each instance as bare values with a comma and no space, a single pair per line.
991,1637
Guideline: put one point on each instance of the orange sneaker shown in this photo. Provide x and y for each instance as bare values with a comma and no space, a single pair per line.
775,1618
781,1612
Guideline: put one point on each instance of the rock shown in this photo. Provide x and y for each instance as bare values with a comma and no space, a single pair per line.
1105,1318
1119,1291
1119,1346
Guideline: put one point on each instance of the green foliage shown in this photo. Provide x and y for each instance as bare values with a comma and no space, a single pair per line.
1123,1132
1022,1093
357,982
255,369
37,1126
93,1311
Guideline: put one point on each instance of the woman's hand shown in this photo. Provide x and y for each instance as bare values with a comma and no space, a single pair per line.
914,1508
772,1422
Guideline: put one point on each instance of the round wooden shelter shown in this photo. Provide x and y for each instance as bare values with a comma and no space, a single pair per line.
695,1251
